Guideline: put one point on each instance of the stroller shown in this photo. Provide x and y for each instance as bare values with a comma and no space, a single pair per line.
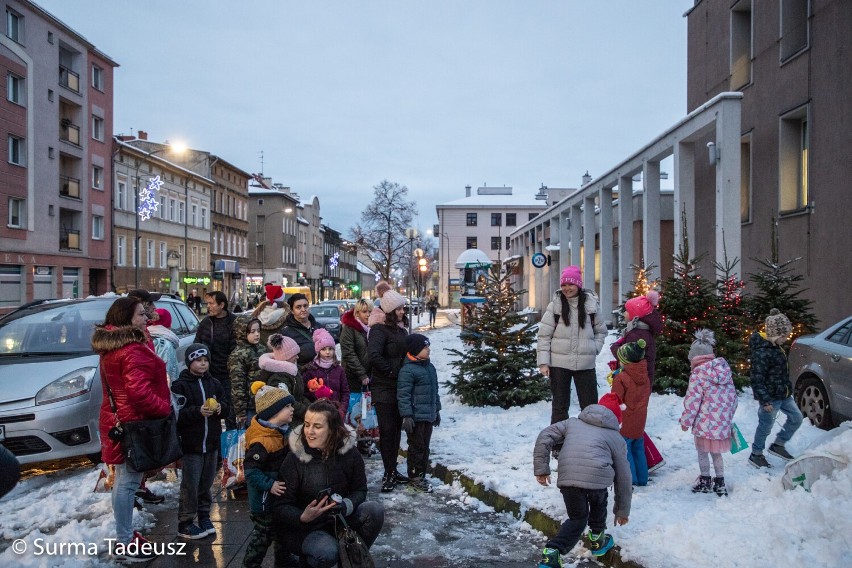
362,416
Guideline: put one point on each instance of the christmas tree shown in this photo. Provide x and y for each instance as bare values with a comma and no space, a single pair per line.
734,322
499,369
641,285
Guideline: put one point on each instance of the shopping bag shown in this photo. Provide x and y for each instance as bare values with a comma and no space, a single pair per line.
233,456
368,412
738,443
652,455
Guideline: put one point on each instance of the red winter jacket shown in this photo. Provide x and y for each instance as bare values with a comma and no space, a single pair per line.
634,389
137,378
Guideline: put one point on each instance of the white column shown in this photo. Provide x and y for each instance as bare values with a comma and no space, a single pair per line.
651,213
606,252
684,193
625,235
589,242
728,170
576,235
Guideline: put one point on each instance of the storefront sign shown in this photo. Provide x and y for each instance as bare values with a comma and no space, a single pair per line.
196,280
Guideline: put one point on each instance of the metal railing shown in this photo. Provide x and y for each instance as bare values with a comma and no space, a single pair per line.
69,132
69,240
68,78
69,187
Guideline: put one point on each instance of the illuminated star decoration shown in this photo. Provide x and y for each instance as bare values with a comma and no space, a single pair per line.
333,261
148,202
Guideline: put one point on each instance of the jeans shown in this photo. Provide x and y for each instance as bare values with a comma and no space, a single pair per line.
124,488
636,459
319,548
766,419
199,471
418,448
432,315
390,433
586,381
583,506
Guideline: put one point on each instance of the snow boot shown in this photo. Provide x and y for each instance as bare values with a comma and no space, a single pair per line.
702,484
398,478
780,451
600,543
550,558
719,486
388,483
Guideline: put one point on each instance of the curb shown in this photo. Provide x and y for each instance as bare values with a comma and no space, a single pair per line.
534,517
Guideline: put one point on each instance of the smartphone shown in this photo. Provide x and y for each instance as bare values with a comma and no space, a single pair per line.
324,493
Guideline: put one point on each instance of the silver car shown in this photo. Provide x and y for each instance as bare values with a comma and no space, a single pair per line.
50,388
821,373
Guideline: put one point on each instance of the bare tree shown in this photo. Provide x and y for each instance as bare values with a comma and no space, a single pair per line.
381,231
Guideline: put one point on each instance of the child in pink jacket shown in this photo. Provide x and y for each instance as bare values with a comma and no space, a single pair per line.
708,408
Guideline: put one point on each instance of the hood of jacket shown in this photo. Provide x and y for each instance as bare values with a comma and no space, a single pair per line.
600,416
269,363
109,338
270,316
717,371
636,373
240,327
654,321
349,320
164,333
307,454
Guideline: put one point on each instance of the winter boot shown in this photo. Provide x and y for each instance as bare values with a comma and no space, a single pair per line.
398,478
600,543
719,486
388,483
702,484
780,451
419,483
758,461
550,558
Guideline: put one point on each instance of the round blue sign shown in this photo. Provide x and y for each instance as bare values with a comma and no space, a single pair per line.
539,260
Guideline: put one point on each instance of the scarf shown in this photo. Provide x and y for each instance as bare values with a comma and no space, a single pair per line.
325,363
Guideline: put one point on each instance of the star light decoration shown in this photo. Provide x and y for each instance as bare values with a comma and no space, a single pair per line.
148,202
334,260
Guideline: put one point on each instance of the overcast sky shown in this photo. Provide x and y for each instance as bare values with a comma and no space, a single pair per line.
434,94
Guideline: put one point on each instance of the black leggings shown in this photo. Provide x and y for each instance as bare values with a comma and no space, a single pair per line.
560,385
390,433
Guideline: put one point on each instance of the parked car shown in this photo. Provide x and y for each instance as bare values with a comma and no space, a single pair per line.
347,304
328,316
414,303
821,373
50,388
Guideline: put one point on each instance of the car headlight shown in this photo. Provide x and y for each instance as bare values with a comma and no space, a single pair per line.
73,384
332,326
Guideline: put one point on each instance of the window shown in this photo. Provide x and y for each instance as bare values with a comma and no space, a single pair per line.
182,253
97,177
17,155
496,219
203,260
507,243
532,216
794,27
121,251
793,161
471,220
149,253
745,179
203,217
172,204
193,259
511,219
163,255
15,89
162,210
495,243
97,227
98,128
97,78
14,26
215,242
471,242
193,215
121,195
16,213
181,212
741,44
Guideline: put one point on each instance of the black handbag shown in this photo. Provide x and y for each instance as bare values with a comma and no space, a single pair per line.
352,550
147,444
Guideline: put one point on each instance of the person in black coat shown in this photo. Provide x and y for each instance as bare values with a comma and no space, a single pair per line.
300,326
386,348
10,470
323,476
216,331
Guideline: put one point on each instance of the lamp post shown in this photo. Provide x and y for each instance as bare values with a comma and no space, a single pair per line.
411,234
260,243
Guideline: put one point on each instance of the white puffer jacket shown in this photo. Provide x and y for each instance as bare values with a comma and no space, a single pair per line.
570,347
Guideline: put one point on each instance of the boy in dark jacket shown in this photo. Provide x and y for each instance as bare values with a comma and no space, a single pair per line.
199,428
770,382
217,333
593,455
419,406
266,448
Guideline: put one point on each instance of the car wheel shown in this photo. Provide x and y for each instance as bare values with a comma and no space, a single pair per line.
94,458
812,400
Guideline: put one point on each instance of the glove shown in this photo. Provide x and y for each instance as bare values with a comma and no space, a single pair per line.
437,421
408,424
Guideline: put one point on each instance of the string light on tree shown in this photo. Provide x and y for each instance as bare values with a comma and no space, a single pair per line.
148,200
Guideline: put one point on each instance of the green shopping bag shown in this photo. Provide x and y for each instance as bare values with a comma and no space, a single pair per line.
738,443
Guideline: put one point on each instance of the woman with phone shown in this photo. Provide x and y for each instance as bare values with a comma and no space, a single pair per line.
324,476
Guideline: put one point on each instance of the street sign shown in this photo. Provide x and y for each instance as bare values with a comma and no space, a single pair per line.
539,260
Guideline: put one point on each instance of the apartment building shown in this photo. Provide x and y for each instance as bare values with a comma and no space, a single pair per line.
56,122
272,235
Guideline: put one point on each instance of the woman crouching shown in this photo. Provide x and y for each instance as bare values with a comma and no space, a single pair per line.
324,476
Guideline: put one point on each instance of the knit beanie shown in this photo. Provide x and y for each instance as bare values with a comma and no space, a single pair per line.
322,338
777,324
632,352
703,344
391,301
274,293
269,401
283,348
195,351
610,400
415,343
382,287
638,307
164,318
571,275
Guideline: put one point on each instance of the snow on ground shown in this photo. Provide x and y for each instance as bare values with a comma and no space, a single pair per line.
758,524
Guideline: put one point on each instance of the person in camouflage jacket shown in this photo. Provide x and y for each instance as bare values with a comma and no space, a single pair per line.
243,365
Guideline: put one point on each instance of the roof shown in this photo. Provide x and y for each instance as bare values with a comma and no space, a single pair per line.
159,159
492,201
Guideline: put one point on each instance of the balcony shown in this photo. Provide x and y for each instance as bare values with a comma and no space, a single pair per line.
69,240
69,79
69,132
69,187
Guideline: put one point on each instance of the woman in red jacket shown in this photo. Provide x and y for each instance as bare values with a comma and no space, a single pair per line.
137,378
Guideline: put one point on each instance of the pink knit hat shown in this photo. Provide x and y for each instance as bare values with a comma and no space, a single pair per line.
571,275
322,338
283,348
391,301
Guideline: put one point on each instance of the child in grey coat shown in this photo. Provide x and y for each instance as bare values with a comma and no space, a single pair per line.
593,456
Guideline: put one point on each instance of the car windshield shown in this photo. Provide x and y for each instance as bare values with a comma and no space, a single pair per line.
325,311
53,328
